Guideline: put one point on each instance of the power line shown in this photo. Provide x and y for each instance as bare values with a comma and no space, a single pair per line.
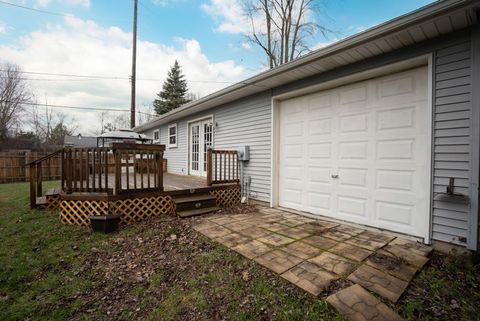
96,77
75,107
34,9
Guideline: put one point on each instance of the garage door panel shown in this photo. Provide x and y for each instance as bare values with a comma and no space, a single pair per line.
353,150
352,206
394,180
292,152
353,123
320,126
319,151
352,177
358,153
319,175
293,129
395,149
355,94
319,202
396,119
394,214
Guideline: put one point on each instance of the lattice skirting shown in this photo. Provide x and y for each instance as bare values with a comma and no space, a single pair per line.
75,212
227,197
78,212
138,209
53,203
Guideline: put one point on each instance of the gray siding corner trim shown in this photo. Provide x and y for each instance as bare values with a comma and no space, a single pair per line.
452,134
473,233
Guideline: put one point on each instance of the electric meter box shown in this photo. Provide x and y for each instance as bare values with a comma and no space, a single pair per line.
244,153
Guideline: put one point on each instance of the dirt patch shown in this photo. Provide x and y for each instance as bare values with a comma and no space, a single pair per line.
336,285
389,262
126,269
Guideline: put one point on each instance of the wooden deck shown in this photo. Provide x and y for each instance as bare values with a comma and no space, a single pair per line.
171,182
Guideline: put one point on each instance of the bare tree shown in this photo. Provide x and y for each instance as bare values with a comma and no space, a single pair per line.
281,28
13,95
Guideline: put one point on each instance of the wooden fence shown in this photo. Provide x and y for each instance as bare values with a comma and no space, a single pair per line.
13,169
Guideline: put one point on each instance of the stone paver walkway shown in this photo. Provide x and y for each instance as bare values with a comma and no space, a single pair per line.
312,253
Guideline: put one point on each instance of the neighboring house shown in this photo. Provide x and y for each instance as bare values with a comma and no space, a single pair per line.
79,141
371,129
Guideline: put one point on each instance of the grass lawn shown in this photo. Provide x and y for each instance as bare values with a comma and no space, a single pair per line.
163,270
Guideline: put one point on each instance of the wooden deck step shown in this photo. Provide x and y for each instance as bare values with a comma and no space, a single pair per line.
194,202
41,201
199,211
194,198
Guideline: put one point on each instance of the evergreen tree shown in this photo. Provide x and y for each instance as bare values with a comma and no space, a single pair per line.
173,93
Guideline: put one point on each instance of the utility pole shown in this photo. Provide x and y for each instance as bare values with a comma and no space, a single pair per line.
134,65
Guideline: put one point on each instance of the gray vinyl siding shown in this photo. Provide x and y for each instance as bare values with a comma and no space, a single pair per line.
451,140
243,122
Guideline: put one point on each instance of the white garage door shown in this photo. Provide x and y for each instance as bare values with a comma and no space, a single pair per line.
360,153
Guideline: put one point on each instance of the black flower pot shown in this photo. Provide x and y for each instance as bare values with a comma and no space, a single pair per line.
105,223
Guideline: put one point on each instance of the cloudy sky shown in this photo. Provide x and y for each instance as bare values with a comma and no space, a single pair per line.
93,38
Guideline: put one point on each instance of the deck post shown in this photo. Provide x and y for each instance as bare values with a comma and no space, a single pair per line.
39,179
33,194
160,170
118,171
209,166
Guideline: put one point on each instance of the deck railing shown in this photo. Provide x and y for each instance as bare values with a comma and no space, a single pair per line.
119,169
122,168
36,177
222,167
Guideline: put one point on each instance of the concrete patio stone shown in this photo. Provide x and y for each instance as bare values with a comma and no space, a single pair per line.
252,249
217,231
309,277
273,226
336,235
301,249
254,232
275,239
278,261
232,239
203,225
292,222
366,242
221,220
379,236
320,241
416,247
333,263
317,227
410,256
294,232
379,282
351,252
348,229
394,266
238,226
357,304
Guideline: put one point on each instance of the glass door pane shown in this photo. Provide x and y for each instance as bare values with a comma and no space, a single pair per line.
207,141
195,147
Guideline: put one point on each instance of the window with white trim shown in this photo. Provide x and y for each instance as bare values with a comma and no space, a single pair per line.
172,135
156,136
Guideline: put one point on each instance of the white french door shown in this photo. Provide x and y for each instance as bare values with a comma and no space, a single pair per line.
200,139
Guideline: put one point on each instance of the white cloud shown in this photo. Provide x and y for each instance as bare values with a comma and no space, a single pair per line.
3,29
83,47
229,15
